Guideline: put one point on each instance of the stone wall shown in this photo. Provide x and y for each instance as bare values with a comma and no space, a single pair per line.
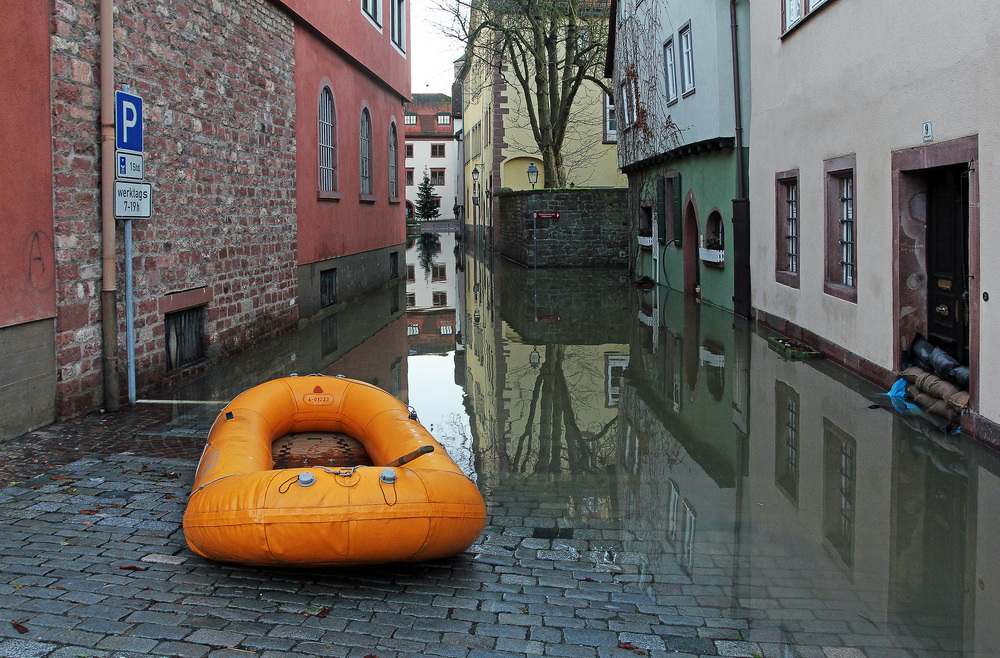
217,83
591,229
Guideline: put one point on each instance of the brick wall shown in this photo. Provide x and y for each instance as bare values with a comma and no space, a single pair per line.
591,230
217,83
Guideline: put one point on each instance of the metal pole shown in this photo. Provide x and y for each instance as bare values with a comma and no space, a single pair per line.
129,314
109,310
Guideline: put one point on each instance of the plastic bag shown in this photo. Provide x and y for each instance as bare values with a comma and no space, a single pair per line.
943,363
920,352
960,376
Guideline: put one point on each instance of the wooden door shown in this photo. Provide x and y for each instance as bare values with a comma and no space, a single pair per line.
948,260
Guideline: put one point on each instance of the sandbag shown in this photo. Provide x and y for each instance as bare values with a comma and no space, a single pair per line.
942,389
911,374
941,408
959,401
920,352
926,381
943,363
960,376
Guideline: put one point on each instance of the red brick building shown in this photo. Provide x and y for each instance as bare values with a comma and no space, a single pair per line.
269,140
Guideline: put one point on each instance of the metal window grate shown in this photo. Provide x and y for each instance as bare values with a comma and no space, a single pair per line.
327,142
792,202
365,152
847,265
328,288
184,337
393,159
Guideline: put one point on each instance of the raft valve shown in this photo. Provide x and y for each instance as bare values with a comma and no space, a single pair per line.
306,479
388,476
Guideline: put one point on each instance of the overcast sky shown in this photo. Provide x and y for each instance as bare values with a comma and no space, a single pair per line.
433,55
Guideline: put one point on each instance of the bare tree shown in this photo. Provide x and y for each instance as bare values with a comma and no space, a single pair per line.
547,49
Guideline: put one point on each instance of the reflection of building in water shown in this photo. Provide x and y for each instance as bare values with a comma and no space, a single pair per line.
881,521
431,292
680,439
543,377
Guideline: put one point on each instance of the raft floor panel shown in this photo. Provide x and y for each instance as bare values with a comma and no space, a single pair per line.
318,449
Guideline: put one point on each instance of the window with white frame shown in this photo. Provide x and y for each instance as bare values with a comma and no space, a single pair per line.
393,162
327,125
846,218
444,119
687,60
365,152
409,119
371,9
794,12
397,23
841,276
787,228
627,98
610,120
670,70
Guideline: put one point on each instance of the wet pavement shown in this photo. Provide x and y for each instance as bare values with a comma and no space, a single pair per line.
658,482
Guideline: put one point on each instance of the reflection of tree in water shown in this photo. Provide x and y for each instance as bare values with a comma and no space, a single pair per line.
560,442
428,244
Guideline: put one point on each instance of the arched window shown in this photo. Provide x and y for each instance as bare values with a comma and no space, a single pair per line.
365,152
393,161
327,142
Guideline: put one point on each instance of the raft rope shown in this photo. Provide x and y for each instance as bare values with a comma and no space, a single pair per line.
202,486
347,473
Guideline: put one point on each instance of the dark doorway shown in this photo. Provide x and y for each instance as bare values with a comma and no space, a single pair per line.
948,260
690,246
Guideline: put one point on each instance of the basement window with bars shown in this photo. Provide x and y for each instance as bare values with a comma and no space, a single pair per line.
185,337
328,288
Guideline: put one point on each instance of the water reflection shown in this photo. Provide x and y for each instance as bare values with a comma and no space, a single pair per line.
765,489
664,444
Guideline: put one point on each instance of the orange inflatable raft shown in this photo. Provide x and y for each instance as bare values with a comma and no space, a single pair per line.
240,510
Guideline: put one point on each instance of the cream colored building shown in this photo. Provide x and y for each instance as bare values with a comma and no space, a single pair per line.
874,133
499,147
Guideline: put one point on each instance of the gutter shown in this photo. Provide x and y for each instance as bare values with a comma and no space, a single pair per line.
109,291
738,103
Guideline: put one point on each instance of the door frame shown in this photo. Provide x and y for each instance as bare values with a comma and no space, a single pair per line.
690,239
907,257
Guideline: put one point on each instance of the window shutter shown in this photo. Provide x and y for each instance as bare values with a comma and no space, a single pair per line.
674,199
661,210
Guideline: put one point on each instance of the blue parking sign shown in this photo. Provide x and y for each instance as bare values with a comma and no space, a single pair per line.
128,122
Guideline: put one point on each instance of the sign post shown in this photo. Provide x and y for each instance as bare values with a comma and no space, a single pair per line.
133,200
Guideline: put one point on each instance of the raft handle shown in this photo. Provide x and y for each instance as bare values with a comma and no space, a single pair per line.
410,456
413,414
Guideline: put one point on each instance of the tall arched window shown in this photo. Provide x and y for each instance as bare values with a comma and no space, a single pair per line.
393,161
365,151
327,142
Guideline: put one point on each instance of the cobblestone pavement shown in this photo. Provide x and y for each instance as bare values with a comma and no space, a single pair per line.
94,564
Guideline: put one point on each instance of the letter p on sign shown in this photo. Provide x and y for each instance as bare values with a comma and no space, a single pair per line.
128,122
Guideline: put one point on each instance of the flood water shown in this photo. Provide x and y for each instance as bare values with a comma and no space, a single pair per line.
783,499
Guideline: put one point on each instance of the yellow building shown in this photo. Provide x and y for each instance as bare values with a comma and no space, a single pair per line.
498,146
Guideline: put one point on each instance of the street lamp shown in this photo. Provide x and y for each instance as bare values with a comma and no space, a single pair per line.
475,174
532,174
534,358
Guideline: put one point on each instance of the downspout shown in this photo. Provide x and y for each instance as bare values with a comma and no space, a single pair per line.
109,309
738,103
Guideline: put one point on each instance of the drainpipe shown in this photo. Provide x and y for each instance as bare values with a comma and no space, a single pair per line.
109,309
738,103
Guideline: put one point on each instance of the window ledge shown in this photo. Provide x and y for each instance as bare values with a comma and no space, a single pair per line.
790,279
672,102
395,199
688,92
367,198
328,196
839,290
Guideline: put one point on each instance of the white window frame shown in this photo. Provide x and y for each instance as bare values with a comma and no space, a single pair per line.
444,119
327,138
370,8
670,70
365,152
610,119
393,161
409,119
397,24
687,59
